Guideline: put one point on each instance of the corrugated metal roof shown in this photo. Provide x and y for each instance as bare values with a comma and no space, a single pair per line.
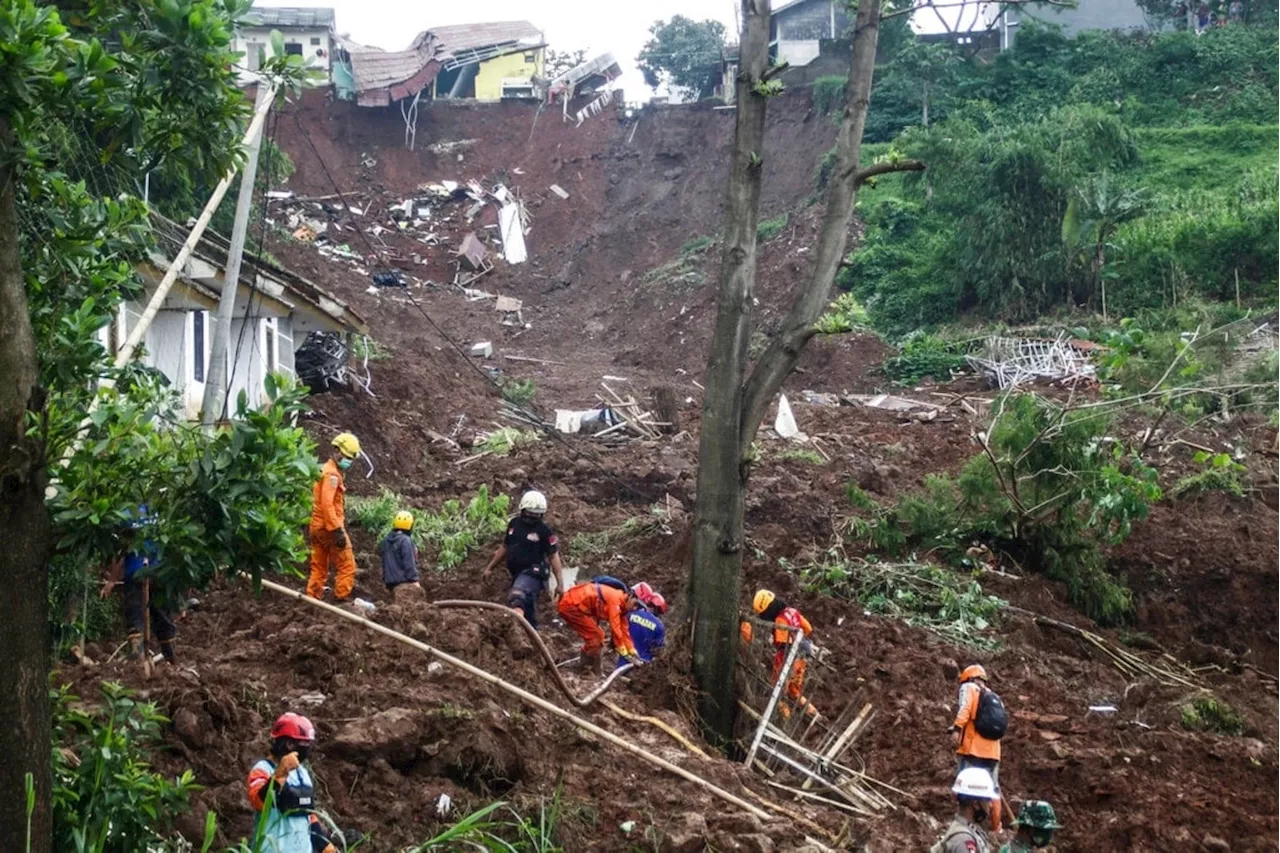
311,17
404,72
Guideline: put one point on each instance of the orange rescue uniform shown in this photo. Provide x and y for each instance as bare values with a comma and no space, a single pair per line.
586,605
792,618
972,743
328,515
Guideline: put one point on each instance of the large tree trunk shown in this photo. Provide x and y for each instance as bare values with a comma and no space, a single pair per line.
717,536
24,633
784,350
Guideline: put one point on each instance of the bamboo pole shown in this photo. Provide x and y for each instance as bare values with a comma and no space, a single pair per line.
783,675
525,696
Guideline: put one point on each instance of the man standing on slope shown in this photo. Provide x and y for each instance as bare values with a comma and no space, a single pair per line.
974,791
329,542
532,553
974,748
770,608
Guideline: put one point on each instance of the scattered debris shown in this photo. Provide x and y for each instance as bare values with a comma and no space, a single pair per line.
484,349
1009,362
389,278
817,398
471,253
572,422
785,424
558,190
512,231
439,148
321,361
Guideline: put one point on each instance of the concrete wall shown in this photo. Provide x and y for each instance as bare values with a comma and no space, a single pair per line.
799,30
249,39
509,66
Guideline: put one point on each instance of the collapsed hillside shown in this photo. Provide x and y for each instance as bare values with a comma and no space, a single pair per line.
396,733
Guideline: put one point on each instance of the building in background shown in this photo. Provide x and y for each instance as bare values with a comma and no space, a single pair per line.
307,31
799,27
1124,15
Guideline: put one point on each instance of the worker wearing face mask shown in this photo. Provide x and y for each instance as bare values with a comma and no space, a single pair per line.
329,542
1036,824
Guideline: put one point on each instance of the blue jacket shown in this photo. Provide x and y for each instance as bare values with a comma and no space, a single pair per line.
647,634
286,832
399,559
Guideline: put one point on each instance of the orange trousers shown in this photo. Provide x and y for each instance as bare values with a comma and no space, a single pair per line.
795,684
586,627
324,552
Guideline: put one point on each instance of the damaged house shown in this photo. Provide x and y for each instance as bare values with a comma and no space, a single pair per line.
307,31
279,315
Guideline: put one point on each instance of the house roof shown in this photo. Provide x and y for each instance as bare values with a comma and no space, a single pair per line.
791,4
273,281
309,17
385,76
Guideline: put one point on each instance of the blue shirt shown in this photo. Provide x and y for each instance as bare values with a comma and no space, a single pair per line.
647,634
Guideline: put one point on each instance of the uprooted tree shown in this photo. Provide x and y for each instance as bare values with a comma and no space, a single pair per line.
735,401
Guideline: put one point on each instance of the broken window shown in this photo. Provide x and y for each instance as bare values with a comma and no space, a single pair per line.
293,48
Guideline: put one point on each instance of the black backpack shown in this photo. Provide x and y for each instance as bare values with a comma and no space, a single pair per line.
991,720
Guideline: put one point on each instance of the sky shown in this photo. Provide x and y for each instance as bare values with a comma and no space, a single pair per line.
617,27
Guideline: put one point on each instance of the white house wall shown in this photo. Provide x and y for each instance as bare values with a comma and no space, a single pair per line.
249,39
798,53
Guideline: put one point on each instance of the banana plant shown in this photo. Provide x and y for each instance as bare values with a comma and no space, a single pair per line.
1096,208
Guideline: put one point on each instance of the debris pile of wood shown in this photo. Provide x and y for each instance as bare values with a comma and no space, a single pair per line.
1010,362
642,424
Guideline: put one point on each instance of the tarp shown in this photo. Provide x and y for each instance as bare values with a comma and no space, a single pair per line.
512,231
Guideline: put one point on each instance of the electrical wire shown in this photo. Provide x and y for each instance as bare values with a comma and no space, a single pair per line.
549,429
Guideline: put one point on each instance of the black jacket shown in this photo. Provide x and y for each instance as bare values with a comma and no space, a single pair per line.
399,559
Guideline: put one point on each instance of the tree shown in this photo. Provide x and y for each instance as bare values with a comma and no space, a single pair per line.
735,402
560,61
1096,208
86,110
924,66
683,54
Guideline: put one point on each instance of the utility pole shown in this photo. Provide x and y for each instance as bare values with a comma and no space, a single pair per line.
215,392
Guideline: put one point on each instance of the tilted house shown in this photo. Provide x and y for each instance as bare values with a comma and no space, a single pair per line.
275,312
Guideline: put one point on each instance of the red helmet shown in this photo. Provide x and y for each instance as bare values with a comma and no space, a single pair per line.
657,604
295,727
642,591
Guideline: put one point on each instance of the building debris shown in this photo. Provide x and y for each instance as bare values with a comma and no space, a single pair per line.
484,349
471,253
1010,362
785,423
389,278
513,247
440,148
558,190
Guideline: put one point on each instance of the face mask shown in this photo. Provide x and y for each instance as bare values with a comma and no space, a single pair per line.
1042,837
344,464
980,816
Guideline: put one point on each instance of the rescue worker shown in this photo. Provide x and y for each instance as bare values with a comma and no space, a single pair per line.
292,825
773,609
974,749
131,572
1035,824
975,791
329,542
532,553
588,604
645,625
399,556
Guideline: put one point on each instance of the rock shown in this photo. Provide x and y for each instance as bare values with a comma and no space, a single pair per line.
754,843
1255,749
672,174
1213,842
186,723
687,835
392,735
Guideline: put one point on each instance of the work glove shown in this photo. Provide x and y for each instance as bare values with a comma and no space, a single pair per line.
632,657
807,648
339,538
287,765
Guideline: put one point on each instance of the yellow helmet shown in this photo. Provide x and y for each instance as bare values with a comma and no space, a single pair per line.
403,520
348,444
969,673
762,600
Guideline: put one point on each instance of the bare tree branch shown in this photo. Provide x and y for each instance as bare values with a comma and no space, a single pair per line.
1064,4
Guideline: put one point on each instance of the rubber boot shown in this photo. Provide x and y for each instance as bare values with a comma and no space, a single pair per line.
136,650
592,664
166,649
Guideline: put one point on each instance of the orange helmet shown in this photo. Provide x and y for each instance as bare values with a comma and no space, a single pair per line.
972,671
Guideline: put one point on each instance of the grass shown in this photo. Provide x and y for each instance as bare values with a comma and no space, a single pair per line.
499,828
686,269
519,391
584,545
1204,156
1208,714
367,348
809,457
502,441
452,533
770,228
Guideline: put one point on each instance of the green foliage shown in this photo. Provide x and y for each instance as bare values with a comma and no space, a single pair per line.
367,348
686,269
828,93
769,228
1209,714
452,533
684,54
519,391
594,544
808,457
1220,473
924,356
498,828
845,315
502,441
948,603
1052,491
106,797
768,88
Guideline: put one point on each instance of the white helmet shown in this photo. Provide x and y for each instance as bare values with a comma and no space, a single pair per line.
975,782
534,502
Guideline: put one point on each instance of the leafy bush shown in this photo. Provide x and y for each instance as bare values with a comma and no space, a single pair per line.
809,457
828,93
519,391
502,441
769,228
1051,489
452,533
925,356
1208,714
844,315
1221,473
106,797
591,544
498,828
367,348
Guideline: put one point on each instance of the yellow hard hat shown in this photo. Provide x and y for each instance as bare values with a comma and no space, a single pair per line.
348,444
403,520
762,600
